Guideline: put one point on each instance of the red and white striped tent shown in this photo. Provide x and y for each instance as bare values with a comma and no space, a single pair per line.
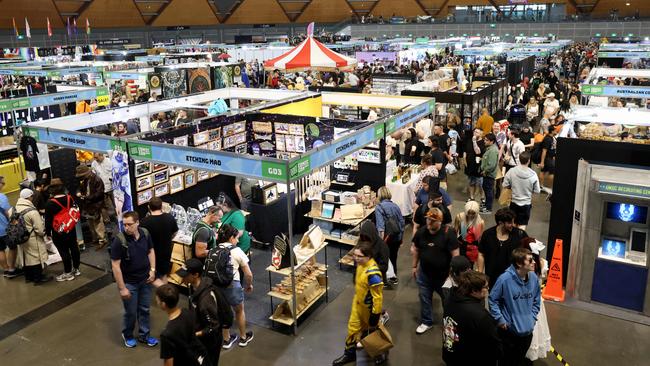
310,55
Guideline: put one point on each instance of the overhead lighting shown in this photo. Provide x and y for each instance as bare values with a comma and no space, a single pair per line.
627,4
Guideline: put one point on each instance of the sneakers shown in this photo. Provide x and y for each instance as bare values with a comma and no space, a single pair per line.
393,281
485,211
43,280
243,342
65,277
344,360
128,342
227,344
76,272
13,274
385,317
149,341
422,328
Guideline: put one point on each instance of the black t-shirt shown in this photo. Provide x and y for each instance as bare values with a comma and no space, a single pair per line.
136,269
496,253
473,166
204,234
179,342
161,228
435,250
526,137
443,142
549,144
438,157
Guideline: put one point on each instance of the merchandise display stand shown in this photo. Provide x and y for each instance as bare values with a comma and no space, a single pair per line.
312,289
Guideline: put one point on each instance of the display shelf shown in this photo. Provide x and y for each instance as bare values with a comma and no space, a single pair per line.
347,259
341,240
287,271
287,320
349,184
352,222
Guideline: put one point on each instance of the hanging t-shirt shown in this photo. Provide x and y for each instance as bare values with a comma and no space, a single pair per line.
43,156
30,150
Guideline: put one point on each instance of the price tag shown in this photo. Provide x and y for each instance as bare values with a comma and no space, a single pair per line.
103,100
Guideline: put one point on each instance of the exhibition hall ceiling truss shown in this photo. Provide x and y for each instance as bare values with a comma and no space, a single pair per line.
137,13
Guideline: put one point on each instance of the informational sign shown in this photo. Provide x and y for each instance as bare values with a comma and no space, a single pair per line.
75,140
54,98
124,75
215,161
113,41
50,73
411,115
624,189
478,52
630,54
616,91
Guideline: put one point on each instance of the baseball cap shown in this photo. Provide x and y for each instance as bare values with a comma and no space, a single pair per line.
191,266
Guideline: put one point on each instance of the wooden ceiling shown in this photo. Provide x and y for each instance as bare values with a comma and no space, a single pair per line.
138,13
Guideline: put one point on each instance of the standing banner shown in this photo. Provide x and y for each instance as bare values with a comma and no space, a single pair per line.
122,196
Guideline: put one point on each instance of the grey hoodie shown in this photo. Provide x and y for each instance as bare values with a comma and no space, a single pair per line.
524,182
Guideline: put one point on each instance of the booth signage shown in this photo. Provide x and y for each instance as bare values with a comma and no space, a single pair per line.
74,140
616,91
113,41
274,170
31,132
624,189
412,115
202,160
123,75
9,105
300,168
631,54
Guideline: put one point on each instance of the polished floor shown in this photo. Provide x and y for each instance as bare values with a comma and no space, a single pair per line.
78,323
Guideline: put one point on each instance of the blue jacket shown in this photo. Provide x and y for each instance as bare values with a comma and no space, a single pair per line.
386,209
515,302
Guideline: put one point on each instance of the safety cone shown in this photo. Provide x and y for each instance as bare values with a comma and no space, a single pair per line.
553,290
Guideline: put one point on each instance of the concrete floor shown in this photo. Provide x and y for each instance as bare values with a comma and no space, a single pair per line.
86,332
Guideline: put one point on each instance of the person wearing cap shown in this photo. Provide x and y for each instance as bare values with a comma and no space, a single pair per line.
65,243
457,266
34,250
432,248
551,105
469,335
91,196
211,310
134,268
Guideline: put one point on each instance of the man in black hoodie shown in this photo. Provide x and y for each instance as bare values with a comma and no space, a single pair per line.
469,334
210,308
380,253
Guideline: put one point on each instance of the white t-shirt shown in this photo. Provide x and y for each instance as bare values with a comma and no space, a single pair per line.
551,106
237,259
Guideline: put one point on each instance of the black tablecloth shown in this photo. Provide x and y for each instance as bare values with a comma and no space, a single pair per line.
267,221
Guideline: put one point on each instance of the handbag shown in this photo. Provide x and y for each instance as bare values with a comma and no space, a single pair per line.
451,169
378,342
505,197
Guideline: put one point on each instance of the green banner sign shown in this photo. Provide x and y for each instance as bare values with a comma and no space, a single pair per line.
592,89
274,170
379,131
30,132
118,145
9,105
300,168
624,189
137,150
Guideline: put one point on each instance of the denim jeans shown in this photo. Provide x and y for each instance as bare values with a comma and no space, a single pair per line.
137,308
427,286
488,188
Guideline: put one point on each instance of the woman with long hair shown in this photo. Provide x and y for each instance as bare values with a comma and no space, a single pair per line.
469,225
412,147
65,242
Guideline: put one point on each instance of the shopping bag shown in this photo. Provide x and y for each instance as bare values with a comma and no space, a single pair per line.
451,169
377,342
505,197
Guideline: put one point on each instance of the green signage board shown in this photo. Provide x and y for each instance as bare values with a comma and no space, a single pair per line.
274,170
300,167
624,189
592,89
137,150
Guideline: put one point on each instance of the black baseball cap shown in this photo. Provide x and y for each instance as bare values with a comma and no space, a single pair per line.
191,266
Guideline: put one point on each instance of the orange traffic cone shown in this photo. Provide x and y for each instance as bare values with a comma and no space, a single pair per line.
553,290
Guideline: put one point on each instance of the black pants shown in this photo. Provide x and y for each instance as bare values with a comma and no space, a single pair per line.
33,273
514,349
393,247
212,344
68,248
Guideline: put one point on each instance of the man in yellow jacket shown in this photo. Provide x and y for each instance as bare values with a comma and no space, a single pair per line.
367,302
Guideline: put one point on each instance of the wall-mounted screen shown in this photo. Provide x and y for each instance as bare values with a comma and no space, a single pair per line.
627,212
613,248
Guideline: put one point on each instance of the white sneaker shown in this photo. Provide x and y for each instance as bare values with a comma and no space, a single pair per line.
65,277
384,318
422,328
76,272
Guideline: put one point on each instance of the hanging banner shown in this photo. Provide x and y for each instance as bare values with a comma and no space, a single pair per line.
624,189
125,75
631,54
122,194
616,91
411,115
51,99
75,140
215,161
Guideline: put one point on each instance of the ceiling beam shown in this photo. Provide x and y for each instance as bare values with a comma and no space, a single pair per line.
442,7
231,11
593,7
160,11
305,5
496,6
84,7
422,7
575,5
283,10
139,11
58,12
216,15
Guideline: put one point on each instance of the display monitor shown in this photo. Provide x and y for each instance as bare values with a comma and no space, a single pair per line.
627,212
638,240
613,248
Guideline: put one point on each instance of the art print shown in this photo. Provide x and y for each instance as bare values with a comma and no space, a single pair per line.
279,143
213,145
262,127
202,175
281,128
160,177
159,166
175,170
143,182
161,190
143,168
241,149
190,178
144,196
214,133
176,183
290,143
201,138
300,143
296,129
181,141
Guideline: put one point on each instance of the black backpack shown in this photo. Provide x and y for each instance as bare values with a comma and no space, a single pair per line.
218,266
17,233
